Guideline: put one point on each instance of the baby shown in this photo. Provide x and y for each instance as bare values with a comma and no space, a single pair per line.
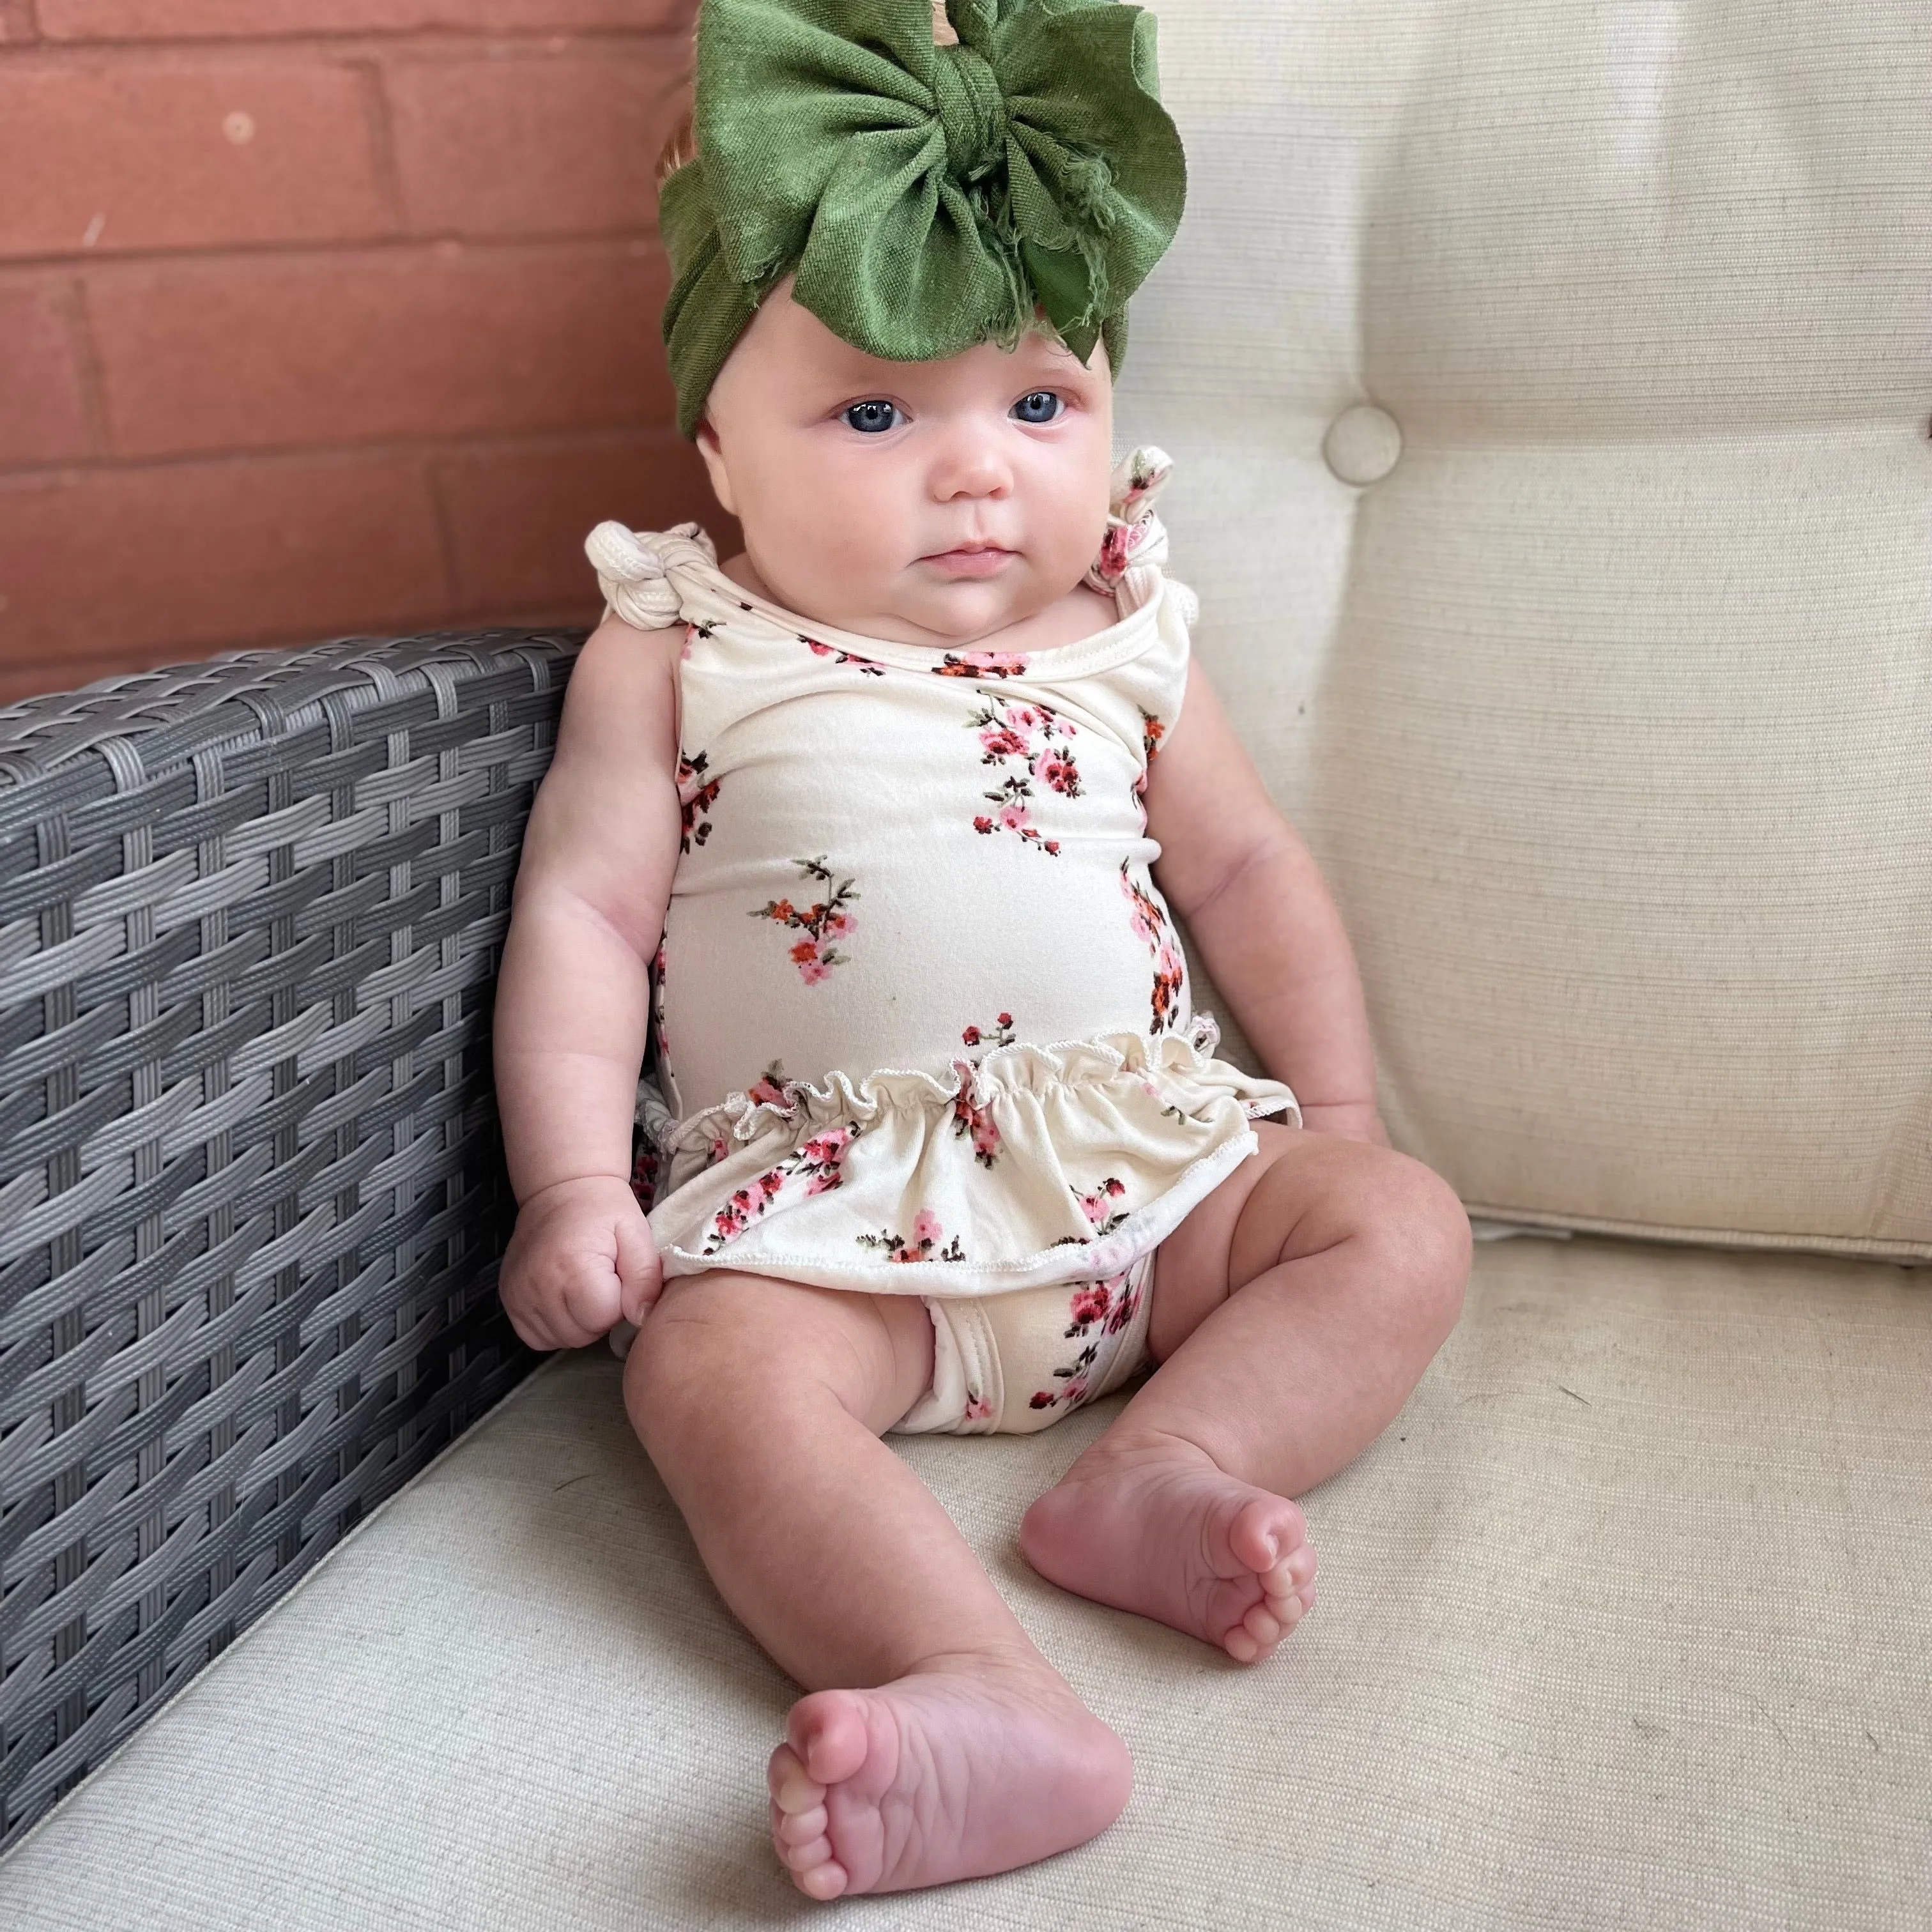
880,830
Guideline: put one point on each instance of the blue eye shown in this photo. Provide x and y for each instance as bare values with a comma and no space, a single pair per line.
1039,406
874,417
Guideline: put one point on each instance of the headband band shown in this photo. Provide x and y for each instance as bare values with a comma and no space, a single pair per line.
925,197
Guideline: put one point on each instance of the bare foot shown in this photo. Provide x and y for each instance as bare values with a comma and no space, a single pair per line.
966,1767
1158,1529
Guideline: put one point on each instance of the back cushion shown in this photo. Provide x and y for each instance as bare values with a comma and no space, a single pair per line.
1548,387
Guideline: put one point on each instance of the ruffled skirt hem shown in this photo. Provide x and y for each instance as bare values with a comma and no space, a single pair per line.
1037,1165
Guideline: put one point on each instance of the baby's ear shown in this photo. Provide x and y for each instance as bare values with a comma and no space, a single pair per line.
706,439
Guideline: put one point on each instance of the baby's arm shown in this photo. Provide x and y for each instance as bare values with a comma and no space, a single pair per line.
1260,912
572,1001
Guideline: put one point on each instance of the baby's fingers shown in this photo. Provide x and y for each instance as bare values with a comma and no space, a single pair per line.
532,1330
640,1270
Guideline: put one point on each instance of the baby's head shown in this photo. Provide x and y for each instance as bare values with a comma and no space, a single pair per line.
903,234
934,503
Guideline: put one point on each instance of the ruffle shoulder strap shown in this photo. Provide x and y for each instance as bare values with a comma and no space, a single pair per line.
638,570
1133,551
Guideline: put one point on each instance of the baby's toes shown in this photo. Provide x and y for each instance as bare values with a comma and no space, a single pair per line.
808,1857
799,1827
1289,1586
1267,1531
1245,1646
793,1788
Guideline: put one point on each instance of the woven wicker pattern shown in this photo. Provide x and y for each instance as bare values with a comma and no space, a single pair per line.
251,1193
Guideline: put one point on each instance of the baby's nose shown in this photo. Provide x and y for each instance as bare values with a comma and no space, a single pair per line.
970,467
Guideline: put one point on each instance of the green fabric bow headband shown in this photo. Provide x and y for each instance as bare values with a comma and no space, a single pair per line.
927,198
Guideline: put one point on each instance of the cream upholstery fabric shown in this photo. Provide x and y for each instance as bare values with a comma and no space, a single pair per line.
1607,707
1624,1624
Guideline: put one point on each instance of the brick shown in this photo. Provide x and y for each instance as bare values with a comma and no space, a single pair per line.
516,518
42,419
531,144
438,341
130,153
190,558
173,20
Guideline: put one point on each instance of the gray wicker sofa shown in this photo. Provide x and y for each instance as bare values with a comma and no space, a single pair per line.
251,1195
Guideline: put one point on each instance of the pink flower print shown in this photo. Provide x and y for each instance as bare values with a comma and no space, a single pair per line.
1035,736
867,667
745,1204
822,922
1115,548
1091,1301
972,1118
1153,730
924,1246
817,1162
1055,768
1110,1305
1098,1206
820,1159
771,1088
696,795
978,1408
999,1034
981,664
1148,919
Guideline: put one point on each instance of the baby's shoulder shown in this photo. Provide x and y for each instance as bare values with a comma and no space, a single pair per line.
622,698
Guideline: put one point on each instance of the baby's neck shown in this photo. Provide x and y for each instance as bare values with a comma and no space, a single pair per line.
1080,614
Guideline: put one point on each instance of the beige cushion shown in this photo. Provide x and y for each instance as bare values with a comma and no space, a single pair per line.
1623,1624
1606,708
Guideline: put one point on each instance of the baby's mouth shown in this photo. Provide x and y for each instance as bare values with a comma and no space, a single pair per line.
976,559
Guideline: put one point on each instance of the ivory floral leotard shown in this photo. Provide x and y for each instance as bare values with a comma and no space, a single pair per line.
922,1016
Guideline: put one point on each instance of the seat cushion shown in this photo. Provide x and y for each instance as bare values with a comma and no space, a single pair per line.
1624,1622
1546,385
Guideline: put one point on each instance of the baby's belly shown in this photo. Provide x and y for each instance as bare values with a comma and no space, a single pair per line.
804,974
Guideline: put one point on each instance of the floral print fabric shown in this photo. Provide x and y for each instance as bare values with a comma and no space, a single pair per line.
921,1016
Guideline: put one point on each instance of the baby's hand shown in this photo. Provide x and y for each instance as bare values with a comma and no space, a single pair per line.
581,1260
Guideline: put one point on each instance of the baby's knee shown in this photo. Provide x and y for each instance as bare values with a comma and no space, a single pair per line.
718,1349
1416,1222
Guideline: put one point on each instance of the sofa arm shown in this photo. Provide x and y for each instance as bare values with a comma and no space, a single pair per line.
251,1190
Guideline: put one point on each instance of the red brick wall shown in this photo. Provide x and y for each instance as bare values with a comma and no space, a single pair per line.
319,315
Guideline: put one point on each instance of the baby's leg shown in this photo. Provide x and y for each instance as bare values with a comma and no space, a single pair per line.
1294,1310
951,1748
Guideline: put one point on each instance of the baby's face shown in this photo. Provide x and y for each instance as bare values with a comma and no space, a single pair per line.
929,502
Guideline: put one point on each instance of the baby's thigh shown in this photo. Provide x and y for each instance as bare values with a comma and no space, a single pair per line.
722,1350
1300,1194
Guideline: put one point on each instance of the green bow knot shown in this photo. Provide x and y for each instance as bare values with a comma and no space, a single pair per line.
925,198
972,111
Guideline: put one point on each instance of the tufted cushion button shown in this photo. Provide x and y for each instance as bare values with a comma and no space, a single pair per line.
1362,444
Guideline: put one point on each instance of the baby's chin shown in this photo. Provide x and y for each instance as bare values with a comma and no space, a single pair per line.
923,607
